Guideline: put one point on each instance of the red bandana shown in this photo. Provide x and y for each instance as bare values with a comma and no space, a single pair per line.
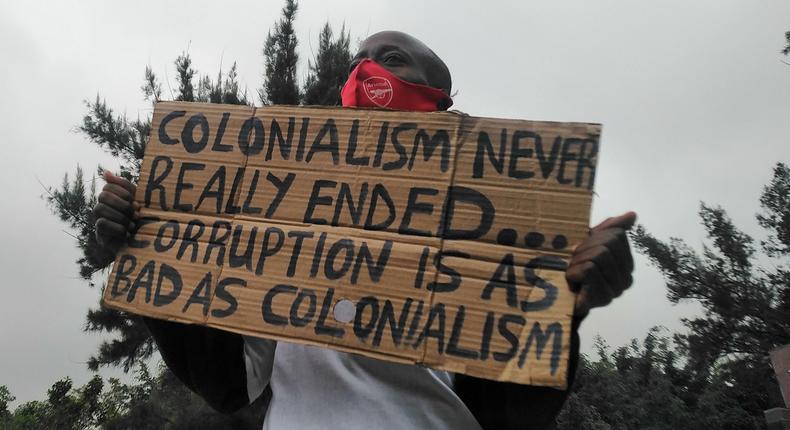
371,85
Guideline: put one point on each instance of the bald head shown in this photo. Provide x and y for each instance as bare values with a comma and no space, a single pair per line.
407,58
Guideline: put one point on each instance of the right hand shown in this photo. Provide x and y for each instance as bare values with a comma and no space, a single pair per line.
115,213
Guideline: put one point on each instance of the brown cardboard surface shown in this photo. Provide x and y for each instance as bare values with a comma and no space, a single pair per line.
447,235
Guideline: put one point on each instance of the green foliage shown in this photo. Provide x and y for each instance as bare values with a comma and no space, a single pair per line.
577,414
775,202
279,53
184,76
65,408
643,386
117,135
222,91
716,374
73,204
132,343
159,402
5,399
125,140
746,307
152,89
207,91
327,72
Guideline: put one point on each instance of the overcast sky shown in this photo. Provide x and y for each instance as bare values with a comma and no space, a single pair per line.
694,99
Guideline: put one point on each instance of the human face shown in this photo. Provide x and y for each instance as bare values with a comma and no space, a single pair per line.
405,57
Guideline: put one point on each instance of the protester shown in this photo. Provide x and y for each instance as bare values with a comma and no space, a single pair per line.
321,388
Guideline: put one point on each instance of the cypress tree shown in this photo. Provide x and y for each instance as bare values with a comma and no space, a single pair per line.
279,52
74,200
329,69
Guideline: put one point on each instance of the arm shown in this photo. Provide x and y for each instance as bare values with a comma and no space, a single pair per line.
208,361
211,362
599,271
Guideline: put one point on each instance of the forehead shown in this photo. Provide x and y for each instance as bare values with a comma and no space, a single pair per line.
388,40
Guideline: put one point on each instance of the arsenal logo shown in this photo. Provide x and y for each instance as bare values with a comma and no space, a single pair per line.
378,90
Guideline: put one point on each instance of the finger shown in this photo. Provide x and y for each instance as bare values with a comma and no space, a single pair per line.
605,261
111,178
136,207
102,210
616,239
118,191
115,202
629,280
594,291
578,272
107,231
625,221
622,252
598,238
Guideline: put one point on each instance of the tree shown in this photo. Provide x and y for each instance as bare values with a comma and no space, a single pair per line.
746,307
73,202
125,139
644,385
328,70
163,402
279,52
66,408
5,399
152,402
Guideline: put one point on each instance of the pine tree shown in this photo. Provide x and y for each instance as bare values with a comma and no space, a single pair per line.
279,52
746,308
73,201
125,139
329,69
221,91
186,88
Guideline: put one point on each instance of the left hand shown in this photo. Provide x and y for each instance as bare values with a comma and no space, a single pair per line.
600,267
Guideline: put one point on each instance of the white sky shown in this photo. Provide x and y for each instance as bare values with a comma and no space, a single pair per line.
693,96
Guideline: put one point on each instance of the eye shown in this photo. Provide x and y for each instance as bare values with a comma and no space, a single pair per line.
393,58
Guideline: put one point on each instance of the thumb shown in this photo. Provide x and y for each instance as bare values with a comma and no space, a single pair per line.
112,178
624,221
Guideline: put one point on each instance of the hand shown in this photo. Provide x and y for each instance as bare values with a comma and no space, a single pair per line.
600,267
115,213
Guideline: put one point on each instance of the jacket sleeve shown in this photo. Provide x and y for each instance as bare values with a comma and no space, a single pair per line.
503,405
210,362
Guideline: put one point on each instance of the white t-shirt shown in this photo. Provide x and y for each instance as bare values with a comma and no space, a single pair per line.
318,388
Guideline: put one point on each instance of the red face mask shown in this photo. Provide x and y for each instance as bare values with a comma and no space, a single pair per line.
371,85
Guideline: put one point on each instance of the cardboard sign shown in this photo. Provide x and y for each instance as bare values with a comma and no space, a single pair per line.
432,238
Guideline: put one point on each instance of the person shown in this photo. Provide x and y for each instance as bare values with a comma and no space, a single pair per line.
321,388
